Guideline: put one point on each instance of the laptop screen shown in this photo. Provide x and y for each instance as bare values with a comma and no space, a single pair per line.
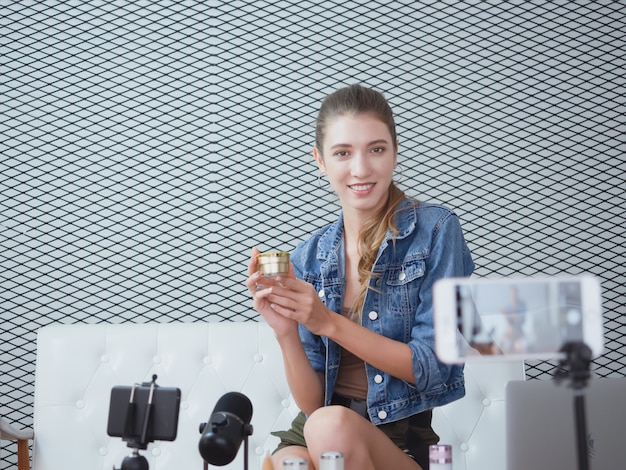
541,424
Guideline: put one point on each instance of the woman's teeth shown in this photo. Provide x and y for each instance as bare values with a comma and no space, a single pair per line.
361,187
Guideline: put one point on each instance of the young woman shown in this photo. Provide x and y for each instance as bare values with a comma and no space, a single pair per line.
354,316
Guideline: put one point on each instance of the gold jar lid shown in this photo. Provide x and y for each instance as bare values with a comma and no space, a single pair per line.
273,263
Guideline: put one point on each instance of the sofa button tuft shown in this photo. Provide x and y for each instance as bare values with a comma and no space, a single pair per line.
103,451
285,403
259,450
464,446
156,451
258,358
80,404
207,360
105,358
486,402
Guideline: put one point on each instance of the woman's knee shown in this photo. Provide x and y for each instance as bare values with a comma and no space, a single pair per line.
327,418
330,424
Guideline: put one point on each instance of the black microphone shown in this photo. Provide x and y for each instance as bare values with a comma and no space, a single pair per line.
228,425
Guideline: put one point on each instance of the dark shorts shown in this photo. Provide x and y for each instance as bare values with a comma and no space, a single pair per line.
413,435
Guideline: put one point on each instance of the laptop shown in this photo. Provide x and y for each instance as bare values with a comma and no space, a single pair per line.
541,424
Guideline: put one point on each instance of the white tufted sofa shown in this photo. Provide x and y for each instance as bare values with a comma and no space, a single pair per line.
77,365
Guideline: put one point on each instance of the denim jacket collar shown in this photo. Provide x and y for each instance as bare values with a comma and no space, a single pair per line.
330,243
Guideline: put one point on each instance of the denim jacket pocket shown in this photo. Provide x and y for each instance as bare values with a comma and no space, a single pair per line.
402,286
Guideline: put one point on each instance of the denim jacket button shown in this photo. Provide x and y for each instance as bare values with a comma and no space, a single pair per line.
382,414
373,315
321,293
378,378
402,276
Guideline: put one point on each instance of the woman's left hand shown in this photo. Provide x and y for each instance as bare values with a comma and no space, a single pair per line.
298,300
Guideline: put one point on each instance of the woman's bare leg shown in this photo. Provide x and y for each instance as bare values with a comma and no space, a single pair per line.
364,446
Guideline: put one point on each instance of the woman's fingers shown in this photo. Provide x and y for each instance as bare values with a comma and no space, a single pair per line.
253,272
252,265
253,282
285,295
291,295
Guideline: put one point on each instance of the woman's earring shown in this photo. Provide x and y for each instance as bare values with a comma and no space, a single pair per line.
319,180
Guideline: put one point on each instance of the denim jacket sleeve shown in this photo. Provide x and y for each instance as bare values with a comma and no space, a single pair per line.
314,345
449,256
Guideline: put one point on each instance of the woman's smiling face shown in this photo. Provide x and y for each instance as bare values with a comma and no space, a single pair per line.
358,156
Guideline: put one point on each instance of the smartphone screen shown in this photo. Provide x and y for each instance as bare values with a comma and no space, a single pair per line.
522,318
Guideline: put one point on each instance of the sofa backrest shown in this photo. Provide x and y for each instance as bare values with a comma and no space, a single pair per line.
79,364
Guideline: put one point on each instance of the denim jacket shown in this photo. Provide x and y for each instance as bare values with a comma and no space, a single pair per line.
429,246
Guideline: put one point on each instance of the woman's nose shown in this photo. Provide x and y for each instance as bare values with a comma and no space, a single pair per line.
360,165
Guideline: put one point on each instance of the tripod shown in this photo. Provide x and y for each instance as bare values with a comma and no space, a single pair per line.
575,367
135,461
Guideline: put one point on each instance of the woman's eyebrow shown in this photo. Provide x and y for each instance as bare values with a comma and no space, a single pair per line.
373,142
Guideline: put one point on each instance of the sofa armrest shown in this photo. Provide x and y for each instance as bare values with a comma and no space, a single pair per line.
8,432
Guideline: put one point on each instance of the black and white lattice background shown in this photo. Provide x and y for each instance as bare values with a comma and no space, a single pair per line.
146,146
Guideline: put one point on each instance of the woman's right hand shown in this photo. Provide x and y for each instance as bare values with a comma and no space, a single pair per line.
260,287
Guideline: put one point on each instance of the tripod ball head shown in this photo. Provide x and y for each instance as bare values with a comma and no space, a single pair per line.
134,462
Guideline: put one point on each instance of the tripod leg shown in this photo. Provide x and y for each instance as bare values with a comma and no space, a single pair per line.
581,430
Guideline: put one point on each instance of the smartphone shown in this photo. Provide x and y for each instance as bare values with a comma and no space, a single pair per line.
127,417
516,318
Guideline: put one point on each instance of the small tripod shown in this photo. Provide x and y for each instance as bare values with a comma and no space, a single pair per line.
135,461
577,360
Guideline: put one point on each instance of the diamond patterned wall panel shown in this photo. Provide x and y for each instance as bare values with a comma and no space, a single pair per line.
145,147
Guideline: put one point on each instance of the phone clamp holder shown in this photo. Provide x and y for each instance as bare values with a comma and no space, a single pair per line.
135,461
576,367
